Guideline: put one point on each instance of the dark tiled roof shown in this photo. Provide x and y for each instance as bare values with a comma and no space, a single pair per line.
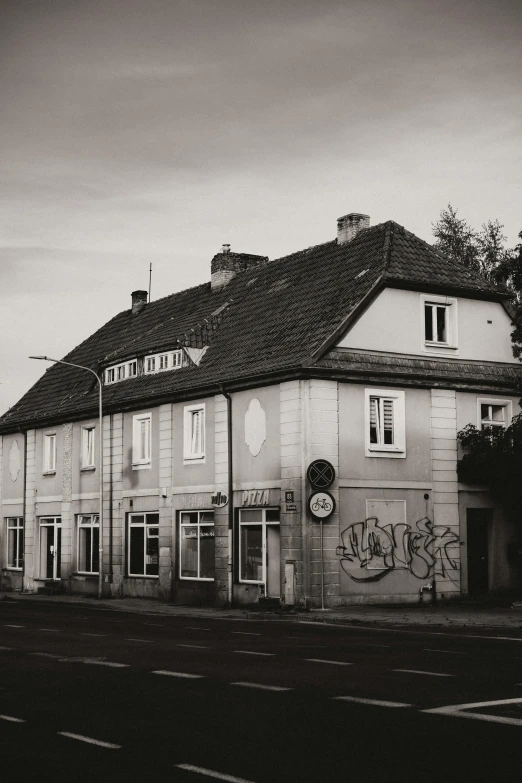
406,370
277,317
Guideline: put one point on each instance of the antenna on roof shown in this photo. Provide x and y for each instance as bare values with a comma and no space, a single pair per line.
150,278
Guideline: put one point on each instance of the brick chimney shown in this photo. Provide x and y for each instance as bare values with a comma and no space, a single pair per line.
226,265
139,300
350,225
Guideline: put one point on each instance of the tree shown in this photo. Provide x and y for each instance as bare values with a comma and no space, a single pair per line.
456,239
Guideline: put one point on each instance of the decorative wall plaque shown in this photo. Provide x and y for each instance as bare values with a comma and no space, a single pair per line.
255,427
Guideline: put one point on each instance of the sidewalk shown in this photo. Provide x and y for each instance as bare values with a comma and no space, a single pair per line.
450,615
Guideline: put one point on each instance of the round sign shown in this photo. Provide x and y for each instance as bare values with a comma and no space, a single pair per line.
321,474
321,504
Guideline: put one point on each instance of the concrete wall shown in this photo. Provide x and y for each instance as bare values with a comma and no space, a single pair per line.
394,322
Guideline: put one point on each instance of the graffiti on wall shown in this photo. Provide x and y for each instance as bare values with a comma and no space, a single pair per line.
370,551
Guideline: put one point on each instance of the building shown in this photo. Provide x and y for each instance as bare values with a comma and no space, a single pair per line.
370,351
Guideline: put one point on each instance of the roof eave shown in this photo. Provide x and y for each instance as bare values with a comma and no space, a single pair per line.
439,288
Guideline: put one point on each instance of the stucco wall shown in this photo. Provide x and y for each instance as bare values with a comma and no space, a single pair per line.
266,464
394,322
143,478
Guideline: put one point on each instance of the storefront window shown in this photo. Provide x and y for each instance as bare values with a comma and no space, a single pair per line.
88,543
143,551
15,542
197,549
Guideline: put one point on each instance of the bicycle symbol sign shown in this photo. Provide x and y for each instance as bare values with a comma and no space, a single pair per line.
321,474
321,504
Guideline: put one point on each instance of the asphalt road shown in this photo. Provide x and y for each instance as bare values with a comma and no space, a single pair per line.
91,694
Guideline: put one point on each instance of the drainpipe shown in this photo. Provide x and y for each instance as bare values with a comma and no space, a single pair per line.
24,509
230,564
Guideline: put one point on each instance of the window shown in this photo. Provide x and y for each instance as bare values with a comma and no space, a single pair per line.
258,544
196,545
177,359
15,543
49,455
384,423
194,432
493,414
88,543
439,322
143,545
121,371
110,375
132,368
150,364
164,361
141,435
88,447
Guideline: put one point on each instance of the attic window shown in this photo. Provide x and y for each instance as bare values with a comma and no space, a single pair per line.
119,372
159,362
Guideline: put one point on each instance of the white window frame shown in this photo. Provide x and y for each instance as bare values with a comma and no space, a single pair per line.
450,306
88,448
15,525
146,526
122,371
189,453
141,460
398,448
49,452
506,404
199,524
171,360
264,524
92,524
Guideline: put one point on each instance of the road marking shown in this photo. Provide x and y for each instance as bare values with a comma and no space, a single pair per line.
386,629
7,625
10,719
210,773
253,652
46,655
186,675
421,671
260,686
249,633
373,702
52,630
196,628
322,660
89,740
458,711
6,648
145,641
93,634
449,652
96,662
194,646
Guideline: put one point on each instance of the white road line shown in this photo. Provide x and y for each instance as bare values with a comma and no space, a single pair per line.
260,686
322,660
458,711
93,634
6,648
89,740
46,655
8,625
186,675
253,652
387,629
10,719
52,630
249,633
373,702
449,652
210,773
111,664
420,671
145,641
196,628
194,646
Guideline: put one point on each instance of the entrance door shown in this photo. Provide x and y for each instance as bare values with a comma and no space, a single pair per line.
478,521
273,561
50,547
260,550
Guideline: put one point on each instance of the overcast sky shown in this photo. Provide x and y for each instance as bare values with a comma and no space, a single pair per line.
137,131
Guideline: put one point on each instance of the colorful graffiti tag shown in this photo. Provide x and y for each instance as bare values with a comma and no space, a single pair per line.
369,552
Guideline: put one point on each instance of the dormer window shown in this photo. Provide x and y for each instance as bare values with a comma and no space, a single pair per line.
439,323
121,371
160,362
150,364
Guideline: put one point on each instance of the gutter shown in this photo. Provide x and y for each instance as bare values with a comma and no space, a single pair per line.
230,561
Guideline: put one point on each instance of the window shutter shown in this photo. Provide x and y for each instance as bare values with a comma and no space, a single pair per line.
388,421
374,419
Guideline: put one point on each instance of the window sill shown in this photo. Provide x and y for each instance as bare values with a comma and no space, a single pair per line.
48,473
197,579
85,575
87,468
141,466
379,452
430,346
13,568
142,576
193,460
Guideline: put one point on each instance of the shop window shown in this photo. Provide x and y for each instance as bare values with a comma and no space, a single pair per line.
194,432
385,423
49,453
258,532
197,548
143,545
88,543
15,543
141,440
88,440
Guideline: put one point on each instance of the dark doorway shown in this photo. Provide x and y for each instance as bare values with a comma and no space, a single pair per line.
479,521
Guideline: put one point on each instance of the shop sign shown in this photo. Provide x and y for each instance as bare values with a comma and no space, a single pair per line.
321,504
255,497
219,500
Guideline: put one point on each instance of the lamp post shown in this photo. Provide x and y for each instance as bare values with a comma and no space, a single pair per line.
100,467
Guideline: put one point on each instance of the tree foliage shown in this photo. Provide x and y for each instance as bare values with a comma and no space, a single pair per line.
494,458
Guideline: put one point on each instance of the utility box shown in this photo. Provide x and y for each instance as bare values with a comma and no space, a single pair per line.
290,583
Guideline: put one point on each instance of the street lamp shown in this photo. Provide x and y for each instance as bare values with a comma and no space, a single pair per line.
100,451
